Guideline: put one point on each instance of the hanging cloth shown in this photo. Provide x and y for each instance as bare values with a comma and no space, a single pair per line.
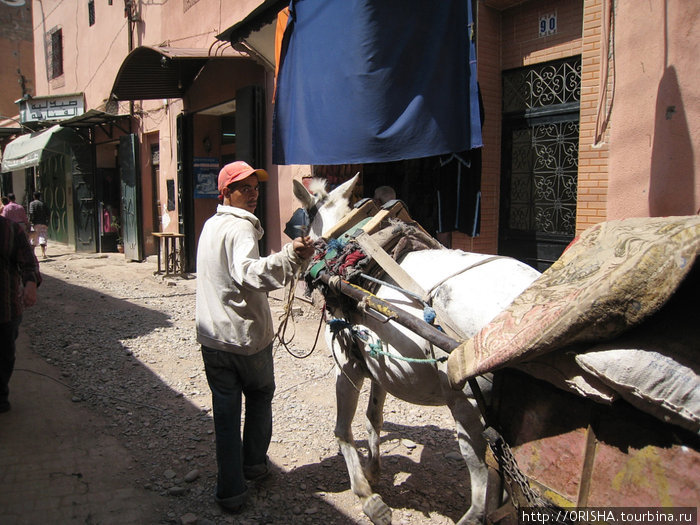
364,81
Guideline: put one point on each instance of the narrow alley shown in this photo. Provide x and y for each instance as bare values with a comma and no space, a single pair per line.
111,419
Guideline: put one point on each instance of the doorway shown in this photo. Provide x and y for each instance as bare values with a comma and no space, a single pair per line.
540,161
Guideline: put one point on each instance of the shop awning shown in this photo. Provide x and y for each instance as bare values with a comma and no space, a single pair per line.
27,150
7,132
264,14
365,81
153,72
93,117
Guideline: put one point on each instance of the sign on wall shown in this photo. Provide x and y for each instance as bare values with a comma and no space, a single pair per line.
60,107
548,24
206,173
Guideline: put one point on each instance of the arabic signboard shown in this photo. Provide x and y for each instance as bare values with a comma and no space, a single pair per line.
42,109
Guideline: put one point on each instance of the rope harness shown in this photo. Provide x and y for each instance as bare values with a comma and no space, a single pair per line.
345,260
288,313
376,348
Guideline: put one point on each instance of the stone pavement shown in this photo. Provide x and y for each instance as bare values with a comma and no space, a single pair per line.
56,464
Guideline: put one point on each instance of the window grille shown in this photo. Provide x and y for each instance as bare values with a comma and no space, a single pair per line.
155,155
56,58
542,86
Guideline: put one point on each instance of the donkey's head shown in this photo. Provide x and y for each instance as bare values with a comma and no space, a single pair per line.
324,209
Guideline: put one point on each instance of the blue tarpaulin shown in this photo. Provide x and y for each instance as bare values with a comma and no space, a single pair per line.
364,81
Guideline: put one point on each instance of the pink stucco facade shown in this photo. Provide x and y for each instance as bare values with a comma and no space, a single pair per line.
92,57
655,120
644,163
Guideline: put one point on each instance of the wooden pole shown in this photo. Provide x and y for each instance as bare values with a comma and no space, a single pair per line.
418,326
425,330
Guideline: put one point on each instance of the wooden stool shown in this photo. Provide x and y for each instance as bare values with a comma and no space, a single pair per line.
172,249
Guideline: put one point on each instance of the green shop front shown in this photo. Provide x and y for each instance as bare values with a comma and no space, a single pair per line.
58,162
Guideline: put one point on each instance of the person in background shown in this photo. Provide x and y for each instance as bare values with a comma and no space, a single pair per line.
384,194
19,279
234,327
15,212
3,200
39,219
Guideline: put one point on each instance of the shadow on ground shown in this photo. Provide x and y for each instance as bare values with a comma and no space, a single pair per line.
152,435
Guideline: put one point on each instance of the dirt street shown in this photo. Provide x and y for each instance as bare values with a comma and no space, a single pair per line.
122,341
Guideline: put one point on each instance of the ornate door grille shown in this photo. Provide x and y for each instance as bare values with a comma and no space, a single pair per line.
544,178
542,86
540,160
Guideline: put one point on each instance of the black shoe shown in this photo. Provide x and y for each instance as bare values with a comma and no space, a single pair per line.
233,504
256,473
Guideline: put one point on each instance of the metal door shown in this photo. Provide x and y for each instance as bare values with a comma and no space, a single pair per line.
52,177
85,212
250,138
540,161
185,188
131,197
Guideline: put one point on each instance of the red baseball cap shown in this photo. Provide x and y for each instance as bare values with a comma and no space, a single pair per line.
236,171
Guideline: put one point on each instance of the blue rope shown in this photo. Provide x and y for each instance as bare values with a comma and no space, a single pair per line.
336,325
336,244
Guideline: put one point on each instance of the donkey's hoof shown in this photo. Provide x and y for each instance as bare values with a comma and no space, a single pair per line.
471,518
378,511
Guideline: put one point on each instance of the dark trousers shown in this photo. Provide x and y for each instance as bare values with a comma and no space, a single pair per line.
230,377
8,336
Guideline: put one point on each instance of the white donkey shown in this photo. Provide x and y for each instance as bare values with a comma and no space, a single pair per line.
471,288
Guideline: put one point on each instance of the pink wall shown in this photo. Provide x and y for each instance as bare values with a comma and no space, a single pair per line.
655,123
100,49
16,56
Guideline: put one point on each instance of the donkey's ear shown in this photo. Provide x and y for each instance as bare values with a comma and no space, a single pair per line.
345,189
301,193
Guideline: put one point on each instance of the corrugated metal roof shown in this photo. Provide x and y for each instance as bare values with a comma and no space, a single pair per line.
153,72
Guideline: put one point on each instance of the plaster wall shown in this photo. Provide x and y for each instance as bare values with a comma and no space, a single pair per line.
195,23
92,56
97,50
655,122
16,56
101,48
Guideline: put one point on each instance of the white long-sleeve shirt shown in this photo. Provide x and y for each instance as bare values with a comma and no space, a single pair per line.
233,313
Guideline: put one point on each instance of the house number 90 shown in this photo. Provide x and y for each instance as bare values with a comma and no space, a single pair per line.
548,24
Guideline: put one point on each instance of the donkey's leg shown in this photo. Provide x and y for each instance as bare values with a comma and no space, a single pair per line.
375,420
347,385
472,447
